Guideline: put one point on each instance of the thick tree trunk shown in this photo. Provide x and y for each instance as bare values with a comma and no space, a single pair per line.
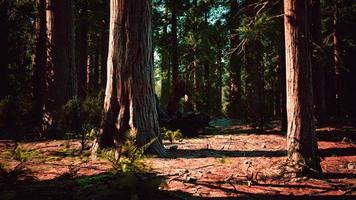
317,66
130,102
64,55
4,35
39,73
301,141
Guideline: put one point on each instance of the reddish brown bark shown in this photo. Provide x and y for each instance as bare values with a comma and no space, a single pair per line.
130,102
301,141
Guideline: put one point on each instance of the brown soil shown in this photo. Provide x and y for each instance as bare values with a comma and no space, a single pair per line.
227,162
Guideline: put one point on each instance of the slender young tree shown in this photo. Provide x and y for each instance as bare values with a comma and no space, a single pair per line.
130,103
301,141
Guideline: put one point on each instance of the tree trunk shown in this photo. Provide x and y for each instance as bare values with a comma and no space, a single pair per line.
234,107
301,141
254,71
317,66
129,100
337,63
4,35
82,42
166,67
104,44
219,81
64,58
39,73
175,62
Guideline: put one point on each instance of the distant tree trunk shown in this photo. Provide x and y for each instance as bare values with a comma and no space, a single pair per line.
234,107
50,105
166,67
301,141
104,44
219,81
207,86
82,42
130,101
64,55
254,71
337,63
317,66
175,62
4,35
39,73
96,67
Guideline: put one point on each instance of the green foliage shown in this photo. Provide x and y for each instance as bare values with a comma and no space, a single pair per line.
172,135
92,109
22,155
128,156
77,115
70,114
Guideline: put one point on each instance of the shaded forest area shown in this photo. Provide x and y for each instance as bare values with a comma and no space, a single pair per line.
181,98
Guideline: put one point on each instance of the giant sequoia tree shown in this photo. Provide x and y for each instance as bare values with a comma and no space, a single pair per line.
302,146
129,98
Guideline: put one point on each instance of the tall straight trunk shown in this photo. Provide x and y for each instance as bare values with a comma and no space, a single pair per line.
104,43
166,67
337,63
174,100
301,141
207,86
50,104
64,54
39,74
82,42
96,67
254,70
234,107
317,66
219,81
4,35
175,64
129,99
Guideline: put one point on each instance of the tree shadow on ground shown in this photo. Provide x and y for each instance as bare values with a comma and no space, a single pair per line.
203,153
145,186
334,152
344,135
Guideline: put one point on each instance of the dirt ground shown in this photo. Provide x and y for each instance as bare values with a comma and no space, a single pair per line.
225,162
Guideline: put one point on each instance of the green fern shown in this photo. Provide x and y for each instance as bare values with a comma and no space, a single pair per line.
171,136
127,157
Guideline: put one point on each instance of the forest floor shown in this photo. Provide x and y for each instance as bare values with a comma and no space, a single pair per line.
223,163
